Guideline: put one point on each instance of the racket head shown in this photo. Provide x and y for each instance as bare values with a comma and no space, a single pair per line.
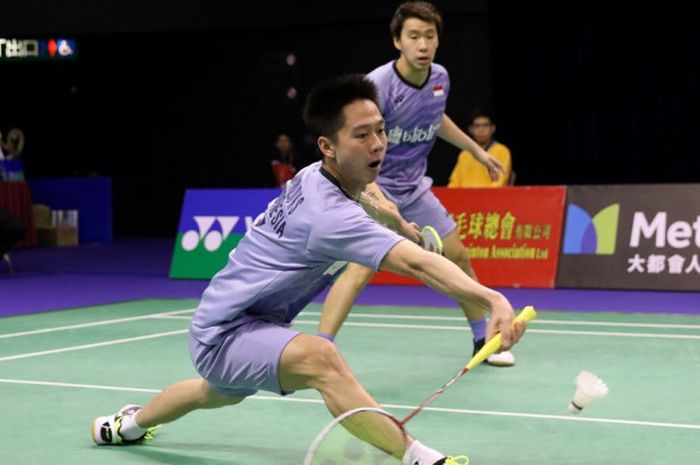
432,242
362,436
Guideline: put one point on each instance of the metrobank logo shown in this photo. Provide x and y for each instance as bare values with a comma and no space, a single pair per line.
586,235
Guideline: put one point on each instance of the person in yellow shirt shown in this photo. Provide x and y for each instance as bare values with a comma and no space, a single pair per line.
470,173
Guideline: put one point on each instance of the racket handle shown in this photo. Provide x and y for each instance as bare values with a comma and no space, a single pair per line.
494,343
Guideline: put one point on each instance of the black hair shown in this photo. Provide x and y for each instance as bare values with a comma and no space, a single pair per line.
323,111
480,113
421,10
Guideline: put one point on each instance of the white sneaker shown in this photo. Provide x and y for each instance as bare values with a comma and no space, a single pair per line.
105,430
503,359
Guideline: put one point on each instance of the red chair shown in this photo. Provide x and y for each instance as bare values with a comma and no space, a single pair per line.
282,172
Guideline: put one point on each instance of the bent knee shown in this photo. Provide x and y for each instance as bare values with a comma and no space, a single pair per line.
328,365
312,362
327,357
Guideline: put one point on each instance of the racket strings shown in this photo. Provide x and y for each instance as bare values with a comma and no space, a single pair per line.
370,436
378,430
365,436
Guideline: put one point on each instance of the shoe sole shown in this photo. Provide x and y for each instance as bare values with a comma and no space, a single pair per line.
92,431
501,359
96,428
501,365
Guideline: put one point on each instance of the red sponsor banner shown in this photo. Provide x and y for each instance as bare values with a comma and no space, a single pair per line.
513,234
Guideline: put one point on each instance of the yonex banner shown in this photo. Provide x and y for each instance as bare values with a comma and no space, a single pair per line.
512,234
211,224
632,237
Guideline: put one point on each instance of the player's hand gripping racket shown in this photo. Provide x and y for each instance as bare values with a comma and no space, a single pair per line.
372,436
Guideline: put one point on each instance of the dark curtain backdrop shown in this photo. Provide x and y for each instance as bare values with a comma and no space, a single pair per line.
174,95
589,95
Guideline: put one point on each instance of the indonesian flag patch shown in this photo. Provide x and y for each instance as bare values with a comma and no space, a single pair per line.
438,90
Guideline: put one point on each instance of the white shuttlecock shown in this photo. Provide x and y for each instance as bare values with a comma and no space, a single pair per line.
588,388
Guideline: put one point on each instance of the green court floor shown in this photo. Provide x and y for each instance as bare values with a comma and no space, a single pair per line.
58,370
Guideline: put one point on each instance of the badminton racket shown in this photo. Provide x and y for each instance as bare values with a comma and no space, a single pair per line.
372,436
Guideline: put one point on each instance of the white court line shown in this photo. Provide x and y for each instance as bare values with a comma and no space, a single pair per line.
551,417
91,346
533,322
83,386
466,328
352,315
538,331
172,315
392,406
94,323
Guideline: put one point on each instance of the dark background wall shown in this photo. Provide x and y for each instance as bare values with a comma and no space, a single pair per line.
598,95
166,96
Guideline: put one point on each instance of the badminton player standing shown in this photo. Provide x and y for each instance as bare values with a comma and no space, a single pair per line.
413,94
240,341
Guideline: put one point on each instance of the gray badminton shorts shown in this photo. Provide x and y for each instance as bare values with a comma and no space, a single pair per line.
426,210
246,360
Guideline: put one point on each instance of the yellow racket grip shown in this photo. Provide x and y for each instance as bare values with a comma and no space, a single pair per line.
494,343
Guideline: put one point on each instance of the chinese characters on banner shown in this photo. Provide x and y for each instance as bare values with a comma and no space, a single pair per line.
512,234
656,264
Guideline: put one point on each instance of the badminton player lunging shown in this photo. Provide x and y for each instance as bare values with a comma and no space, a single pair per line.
412,96
240,341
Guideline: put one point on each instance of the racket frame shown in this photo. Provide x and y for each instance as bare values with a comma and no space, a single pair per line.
489,348
430,235
339,419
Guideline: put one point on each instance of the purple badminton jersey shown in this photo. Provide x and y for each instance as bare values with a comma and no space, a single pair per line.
290,254
413,116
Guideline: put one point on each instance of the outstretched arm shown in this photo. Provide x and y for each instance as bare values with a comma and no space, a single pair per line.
348,286
450,132
447,278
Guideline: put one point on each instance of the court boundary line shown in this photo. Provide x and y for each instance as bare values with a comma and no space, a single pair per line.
91,346
466,328
161,315
370,325
529,331
352,324
93,323
538,321
391,406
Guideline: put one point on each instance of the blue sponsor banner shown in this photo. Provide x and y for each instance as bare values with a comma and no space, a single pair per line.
211,224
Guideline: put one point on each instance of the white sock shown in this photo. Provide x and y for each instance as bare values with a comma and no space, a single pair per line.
130,430
418,454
